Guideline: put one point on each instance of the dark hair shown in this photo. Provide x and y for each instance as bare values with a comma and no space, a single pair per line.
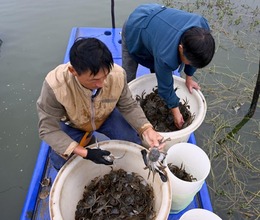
90,54
198,46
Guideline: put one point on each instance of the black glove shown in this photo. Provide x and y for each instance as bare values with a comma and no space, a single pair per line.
96,155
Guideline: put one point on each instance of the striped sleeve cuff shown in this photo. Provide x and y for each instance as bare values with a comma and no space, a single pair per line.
144,127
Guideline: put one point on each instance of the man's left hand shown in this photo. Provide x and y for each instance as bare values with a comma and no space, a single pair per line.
191,84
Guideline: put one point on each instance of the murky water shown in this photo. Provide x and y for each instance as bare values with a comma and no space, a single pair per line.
35,35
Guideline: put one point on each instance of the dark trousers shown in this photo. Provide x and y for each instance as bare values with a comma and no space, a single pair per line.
114,128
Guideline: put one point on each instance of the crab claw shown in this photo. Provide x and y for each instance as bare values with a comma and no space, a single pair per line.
144,154
163,176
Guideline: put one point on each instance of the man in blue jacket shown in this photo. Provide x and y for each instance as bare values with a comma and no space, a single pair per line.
163,40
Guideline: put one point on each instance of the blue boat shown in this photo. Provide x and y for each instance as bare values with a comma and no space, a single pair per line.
36,205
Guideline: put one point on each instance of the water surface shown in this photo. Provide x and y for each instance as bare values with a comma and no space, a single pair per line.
35,36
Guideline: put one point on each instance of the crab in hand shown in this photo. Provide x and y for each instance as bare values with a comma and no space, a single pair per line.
153,161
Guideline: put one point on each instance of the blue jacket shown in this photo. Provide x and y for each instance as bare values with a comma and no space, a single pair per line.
153,35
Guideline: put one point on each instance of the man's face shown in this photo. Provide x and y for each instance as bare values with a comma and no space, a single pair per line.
89,81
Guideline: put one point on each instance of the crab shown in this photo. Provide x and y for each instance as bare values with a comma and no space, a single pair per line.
155,165
90,200
153,161
110,157
181,173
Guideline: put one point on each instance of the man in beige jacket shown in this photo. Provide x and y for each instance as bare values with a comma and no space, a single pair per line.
88,94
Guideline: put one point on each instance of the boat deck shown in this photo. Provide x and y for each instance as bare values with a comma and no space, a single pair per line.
36,205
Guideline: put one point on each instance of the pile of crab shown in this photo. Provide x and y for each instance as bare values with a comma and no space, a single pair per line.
159,114
117,195
181,173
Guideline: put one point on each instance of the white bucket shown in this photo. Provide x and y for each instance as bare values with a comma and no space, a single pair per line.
77,173
196,101
199,214
196,163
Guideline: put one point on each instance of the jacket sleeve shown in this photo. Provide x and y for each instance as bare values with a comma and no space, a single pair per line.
189,70
50,113
132,111
166,84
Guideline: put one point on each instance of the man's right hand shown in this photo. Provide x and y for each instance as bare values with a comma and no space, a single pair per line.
178,119
97,156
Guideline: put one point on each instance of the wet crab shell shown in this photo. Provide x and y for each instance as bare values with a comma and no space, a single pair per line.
154,155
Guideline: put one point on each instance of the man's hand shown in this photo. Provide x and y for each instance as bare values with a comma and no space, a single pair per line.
191,84
178,119
153,138
97,156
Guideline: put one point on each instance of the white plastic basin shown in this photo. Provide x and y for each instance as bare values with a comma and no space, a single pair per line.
196,101
69,184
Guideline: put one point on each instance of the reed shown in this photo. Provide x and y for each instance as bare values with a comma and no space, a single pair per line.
228,85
